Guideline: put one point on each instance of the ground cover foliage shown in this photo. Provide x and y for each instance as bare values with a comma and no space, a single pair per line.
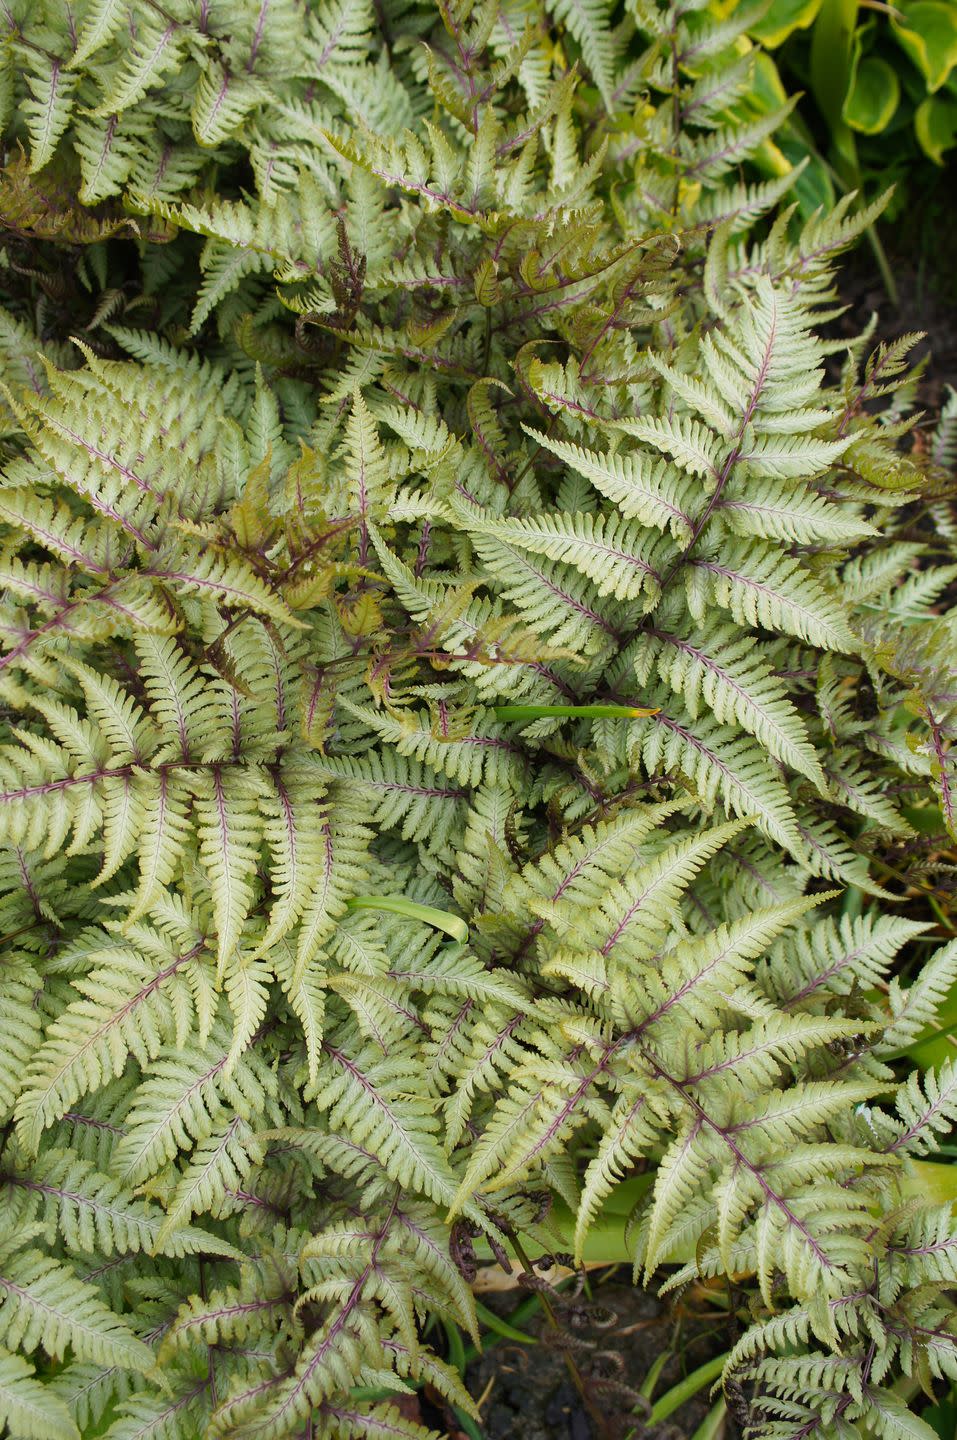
872,74
395,401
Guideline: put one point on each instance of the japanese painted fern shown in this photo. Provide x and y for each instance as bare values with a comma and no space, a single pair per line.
507,415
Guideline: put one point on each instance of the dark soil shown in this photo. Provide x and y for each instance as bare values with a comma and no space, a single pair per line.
527,1393
926,301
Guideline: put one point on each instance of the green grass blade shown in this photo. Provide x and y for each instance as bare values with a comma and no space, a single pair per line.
453,925
574,712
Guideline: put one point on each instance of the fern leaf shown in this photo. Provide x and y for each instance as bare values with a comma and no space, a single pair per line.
648,493
92,1212
230,831
341,870
633,914
925,1112
229,582
182,1099
588,22
613,553
627,1137
727,674
914,1009
681,1171
118,1012
159,1415
220,1162
20,1030
44,1303
405,794
772,511
101,20
691,444
225,1315
758,587
31,1410
401,1131
48,110
718,763
221,103
156,50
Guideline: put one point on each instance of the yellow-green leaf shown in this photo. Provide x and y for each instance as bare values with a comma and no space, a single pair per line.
453,925
874,96
929,36
782,18
935,123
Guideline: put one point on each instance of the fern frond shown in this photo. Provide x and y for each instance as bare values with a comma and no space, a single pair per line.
363,1097
118,1012
47,112
477,539
92,1212
757,587
29,1408
44,1303
724,673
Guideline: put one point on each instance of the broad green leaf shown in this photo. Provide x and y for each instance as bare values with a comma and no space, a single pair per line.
935,124
933,1181
874,98
832,52
928,33
782,18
